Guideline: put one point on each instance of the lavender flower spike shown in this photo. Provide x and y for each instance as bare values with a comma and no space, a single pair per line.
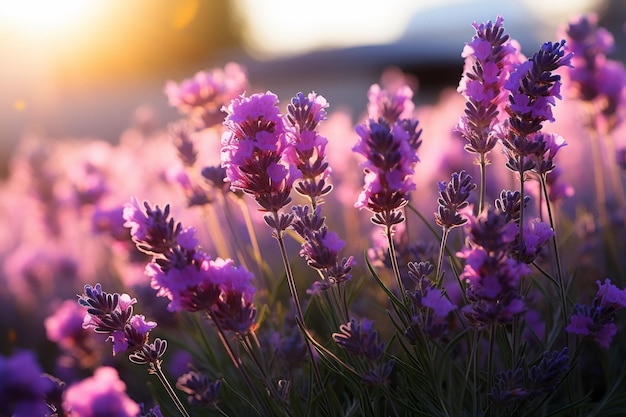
253,148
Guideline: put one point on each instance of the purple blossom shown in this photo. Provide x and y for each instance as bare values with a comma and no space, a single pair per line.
389,167
489,59
596,321
536,235
321,247
22,386
533,88
65,326
453,197
202,97
308,150
492,276
102,394
199,388
253,151
389,106
359,338
593,77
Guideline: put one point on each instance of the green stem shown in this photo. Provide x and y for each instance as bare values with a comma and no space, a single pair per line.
442,248
555,248
483,181
394,262
155,368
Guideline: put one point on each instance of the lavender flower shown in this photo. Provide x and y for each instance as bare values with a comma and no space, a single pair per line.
112,314
489,59
308,150
102,394
596,321
202,97
253,148
491,274
453,197
534,88
198,387
388,106
22,386
430,304
321,247
593,78
360,339
388,168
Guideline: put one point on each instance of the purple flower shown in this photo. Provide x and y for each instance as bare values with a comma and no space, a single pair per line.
360,339
22,386
321,247
492,276
102,394
453,197
489,59
198,387
308,150
388,106
593,77
253,148
389,167
65,326
595,321
202,97
536,235
533,88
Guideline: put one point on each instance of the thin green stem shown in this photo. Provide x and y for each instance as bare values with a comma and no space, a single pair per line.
155,368
483,181
555,248
442,249
278,234
394,262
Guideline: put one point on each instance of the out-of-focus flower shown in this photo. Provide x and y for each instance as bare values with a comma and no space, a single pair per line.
596,321
199,388
103,394
593,78
202,97
22,386
65,326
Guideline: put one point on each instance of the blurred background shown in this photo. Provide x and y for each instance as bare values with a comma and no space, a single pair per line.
80,68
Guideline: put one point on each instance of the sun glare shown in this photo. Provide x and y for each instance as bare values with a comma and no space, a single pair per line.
43,18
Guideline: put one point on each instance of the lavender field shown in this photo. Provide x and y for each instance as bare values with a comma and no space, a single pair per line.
273,256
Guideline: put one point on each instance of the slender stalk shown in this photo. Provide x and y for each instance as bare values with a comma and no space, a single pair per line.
237,362
155,368
598,170
442,248
491,356
215,231
557,256
278,234
394,262
252,234
482,162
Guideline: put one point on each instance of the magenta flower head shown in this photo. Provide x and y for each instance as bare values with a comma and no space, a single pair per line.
596,321
492,276
534,88
202,97
253,148
112,314
65,326
22,386
103,394
490,57
308,150
389,106
389,167
594,78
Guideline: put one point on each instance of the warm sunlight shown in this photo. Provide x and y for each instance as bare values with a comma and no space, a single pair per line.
43,18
